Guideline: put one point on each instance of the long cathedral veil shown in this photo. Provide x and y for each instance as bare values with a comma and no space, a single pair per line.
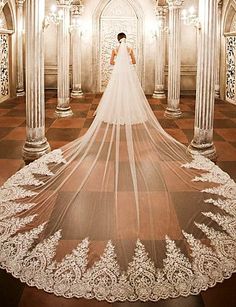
122,213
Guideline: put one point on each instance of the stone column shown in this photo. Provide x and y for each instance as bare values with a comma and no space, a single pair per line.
174,63
160,54
76,12
63,53
36,143
20,90
217,85
205,93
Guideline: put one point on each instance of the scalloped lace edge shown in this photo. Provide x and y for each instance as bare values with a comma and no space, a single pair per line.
179,276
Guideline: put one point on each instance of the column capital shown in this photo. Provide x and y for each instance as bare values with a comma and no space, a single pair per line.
20,2
64,3
161,11
77,9
175,4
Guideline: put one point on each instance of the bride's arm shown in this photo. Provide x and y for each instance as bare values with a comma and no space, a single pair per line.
112,60
132,56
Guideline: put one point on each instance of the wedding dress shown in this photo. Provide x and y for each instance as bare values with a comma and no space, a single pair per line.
122,213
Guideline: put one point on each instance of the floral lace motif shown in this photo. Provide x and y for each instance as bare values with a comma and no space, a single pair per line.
14,193
10,226
200,162
104,280
228,205
34,263
11,208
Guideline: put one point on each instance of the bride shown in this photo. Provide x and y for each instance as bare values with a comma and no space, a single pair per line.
122,213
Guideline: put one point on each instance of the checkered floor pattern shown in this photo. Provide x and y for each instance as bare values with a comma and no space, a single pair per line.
60,131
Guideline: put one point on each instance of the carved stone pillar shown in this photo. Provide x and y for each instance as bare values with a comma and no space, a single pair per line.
63,53
36,143
76,12
173,109
160,54
217,85
20,90
205,93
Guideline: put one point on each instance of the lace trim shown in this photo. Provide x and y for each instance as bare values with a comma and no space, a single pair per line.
229,206
228,223
14,193
16,248
104,280
10,226
11,208
200,162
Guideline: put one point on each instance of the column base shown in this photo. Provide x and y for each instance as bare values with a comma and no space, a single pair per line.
77,94
207,150
20,93
63,112
34,150
159,95
173,113
217,91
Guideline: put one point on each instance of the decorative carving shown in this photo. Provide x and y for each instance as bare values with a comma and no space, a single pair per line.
117,17
233,24
2,3
20,2
230,68
77,9
119,8
64,3
161,11
175,3
4,66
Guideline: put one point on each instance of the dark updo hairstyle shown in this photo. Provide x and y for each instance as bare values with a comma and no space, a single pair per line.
120,36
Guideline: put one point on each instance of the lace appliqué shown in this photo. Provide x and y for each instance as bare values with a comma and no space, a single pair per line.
11,208
104,280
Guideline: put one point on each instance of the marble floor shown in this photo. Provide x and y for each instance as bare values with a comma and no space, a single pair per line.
60,132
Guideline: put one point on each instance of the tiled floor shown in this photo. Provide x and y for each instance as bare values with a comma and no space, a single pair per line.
60,132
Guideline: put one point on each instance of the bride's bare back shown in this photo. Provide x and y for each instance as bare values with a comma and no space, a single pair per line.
115,52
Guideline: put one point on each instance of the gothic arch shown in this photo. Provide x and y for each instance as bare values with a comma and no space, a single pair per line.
8,40
96,38
8,12
230,13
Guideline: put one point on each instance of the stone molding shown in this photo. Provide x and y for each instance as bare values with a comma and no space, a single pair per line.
175,4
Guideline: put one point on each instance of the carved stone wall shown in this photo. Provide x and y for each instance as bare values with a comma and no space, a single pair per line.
134,15
118,16
230,69
4,61
4,67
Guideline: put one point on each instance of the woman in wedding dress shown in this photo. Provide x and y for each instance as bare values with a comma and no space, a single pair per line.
123,213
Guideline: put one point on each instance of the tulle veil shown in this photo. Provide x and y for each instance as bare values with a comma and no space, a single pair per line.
122,213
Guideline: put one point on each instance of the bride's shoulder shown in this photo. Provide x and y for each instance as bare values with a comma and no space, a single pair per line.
130,50
115,50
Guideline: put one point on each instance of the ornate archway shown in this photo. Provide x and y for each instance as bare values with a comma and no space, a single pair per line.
6,30
110,18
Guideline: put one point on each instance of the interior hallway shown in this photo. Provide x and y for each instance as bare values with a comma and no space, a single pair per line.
60,132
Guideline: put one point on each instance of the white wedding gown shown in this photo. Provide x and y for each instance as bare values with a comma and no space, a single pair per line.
122,213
